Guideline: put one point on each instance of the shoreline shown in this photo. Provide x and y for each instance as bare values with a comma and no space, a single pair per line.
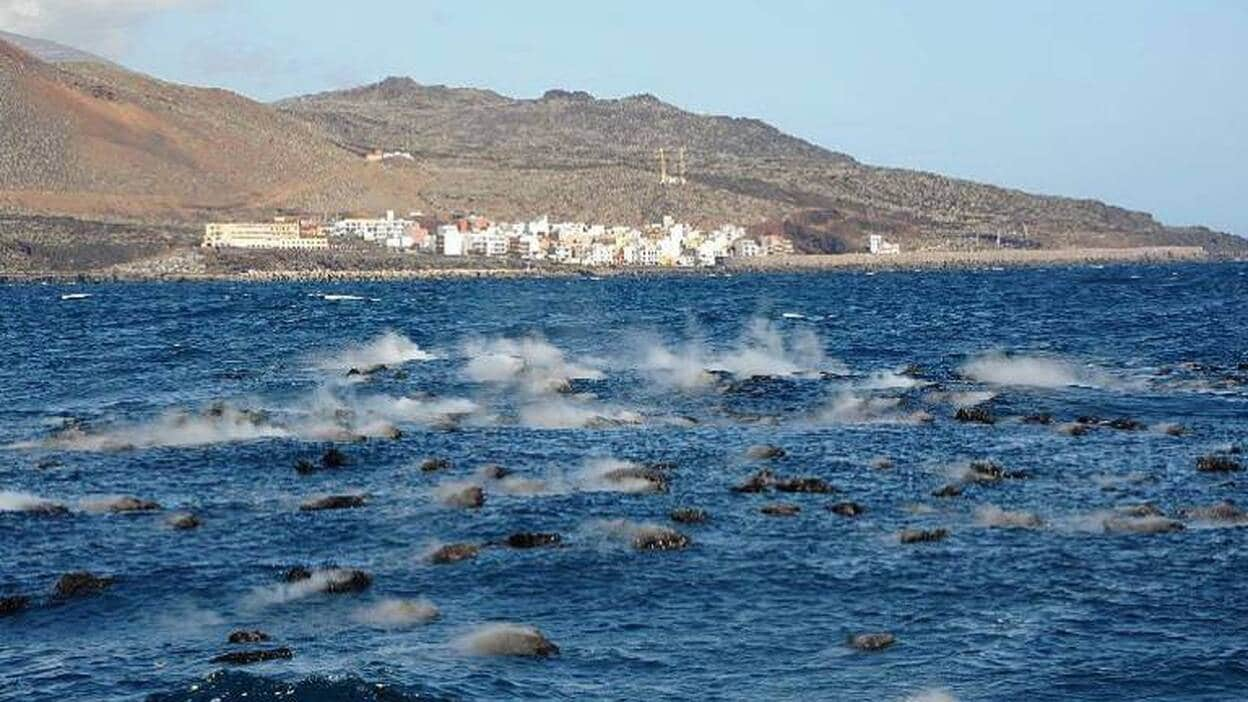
807,263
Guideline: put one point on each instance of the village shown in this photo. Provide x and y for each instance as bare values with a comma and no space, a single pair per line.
667,243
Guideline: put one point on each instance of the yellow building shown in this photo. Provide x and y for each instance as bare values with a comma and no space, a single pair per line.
281,233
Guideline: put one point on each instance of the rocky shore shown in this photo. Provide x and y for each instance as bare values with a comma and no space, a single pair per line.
189,267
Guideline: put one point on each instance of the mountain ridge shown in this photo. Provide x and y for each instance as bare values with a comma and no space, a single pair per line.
94,140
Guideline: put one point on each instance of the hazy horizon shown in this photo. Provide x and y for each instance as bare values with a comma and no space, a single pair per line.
1136,107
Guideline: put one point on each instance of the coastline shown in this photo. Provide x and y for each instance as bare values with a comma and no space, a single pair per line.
809,263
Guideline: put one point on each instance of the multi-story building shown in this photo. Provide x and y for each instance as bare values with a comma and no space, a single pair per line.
281,233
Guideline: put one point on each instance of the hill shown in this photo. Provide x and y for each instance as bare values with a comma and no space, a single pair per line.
85,138
586,158
92,139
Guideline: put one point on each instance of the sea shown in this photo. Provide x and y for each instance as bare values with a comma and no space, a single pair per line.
1027,479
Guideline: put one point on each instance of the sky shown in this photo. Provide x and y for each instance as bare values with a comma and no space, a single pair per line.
1140,103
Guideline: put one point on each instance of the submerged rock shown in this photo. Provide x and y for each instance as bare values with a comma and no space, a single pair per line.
1125,424
1146,509
876,641
13,604
764,452
492,471
259,656
505,639
1141,525
989,472
1040,418
81,583
628,475
454,553
243,636
335,581
1214,463
1225,512
183,521
333,458
916,536
333,502
1074,429
132,504
758,482
950,490
659,539
780,509
464,496
847,509
975,415
689,515
811,485
529,539
431,465
881,463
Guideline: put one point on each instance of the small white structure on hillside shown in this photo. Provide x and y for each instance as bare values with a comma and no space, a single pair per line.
881,247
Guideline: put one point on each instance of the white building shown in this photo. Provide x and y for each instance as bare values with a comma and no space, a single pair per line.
369,229
450,240
881,247
489,242
746,248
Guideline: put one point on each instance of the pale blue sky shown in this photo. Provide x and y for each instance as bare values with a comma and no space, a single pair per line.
1140,103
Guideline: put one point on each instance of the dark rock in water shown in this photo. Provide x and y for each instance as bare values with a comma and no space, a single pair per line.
689,515
660,539
243,636
810,485
1225,512
1214,463
13,604
48,464
1125,424
764,452
664,466
133,504
656,479
1075,429
305,467
758,482
1087,419
950,490
912,370
1041,418
917,536
81,583
47,509
430,465
454,553
296,573
346,580
1146,509
333,458
527,539
184,522
1142,525
760,386
467,496
780,509
989,472
877,641
1175,430
354,372
391,432
249,657
333,502
847,509
491,471
975,415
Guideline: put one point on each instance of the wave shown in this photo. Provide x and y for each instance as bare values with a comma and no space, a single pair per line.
995,517
394,613
12,501
561,413
931,696
505,639
238,685
389,349
763,349
997,368
851,408
530,363
220,423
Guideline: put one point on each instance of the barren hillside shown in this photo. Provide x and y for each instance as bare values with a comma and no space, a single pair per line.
577,156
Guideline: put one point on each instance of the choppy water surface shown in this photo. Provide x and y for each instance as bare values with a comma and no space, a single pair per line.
204,398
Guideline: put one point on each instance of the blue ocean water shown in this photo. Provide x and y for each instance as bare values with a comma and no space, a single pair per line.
203,397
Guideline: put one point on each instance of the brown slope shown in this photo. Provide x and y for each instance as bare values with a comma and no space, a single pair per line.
581,157
96,140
